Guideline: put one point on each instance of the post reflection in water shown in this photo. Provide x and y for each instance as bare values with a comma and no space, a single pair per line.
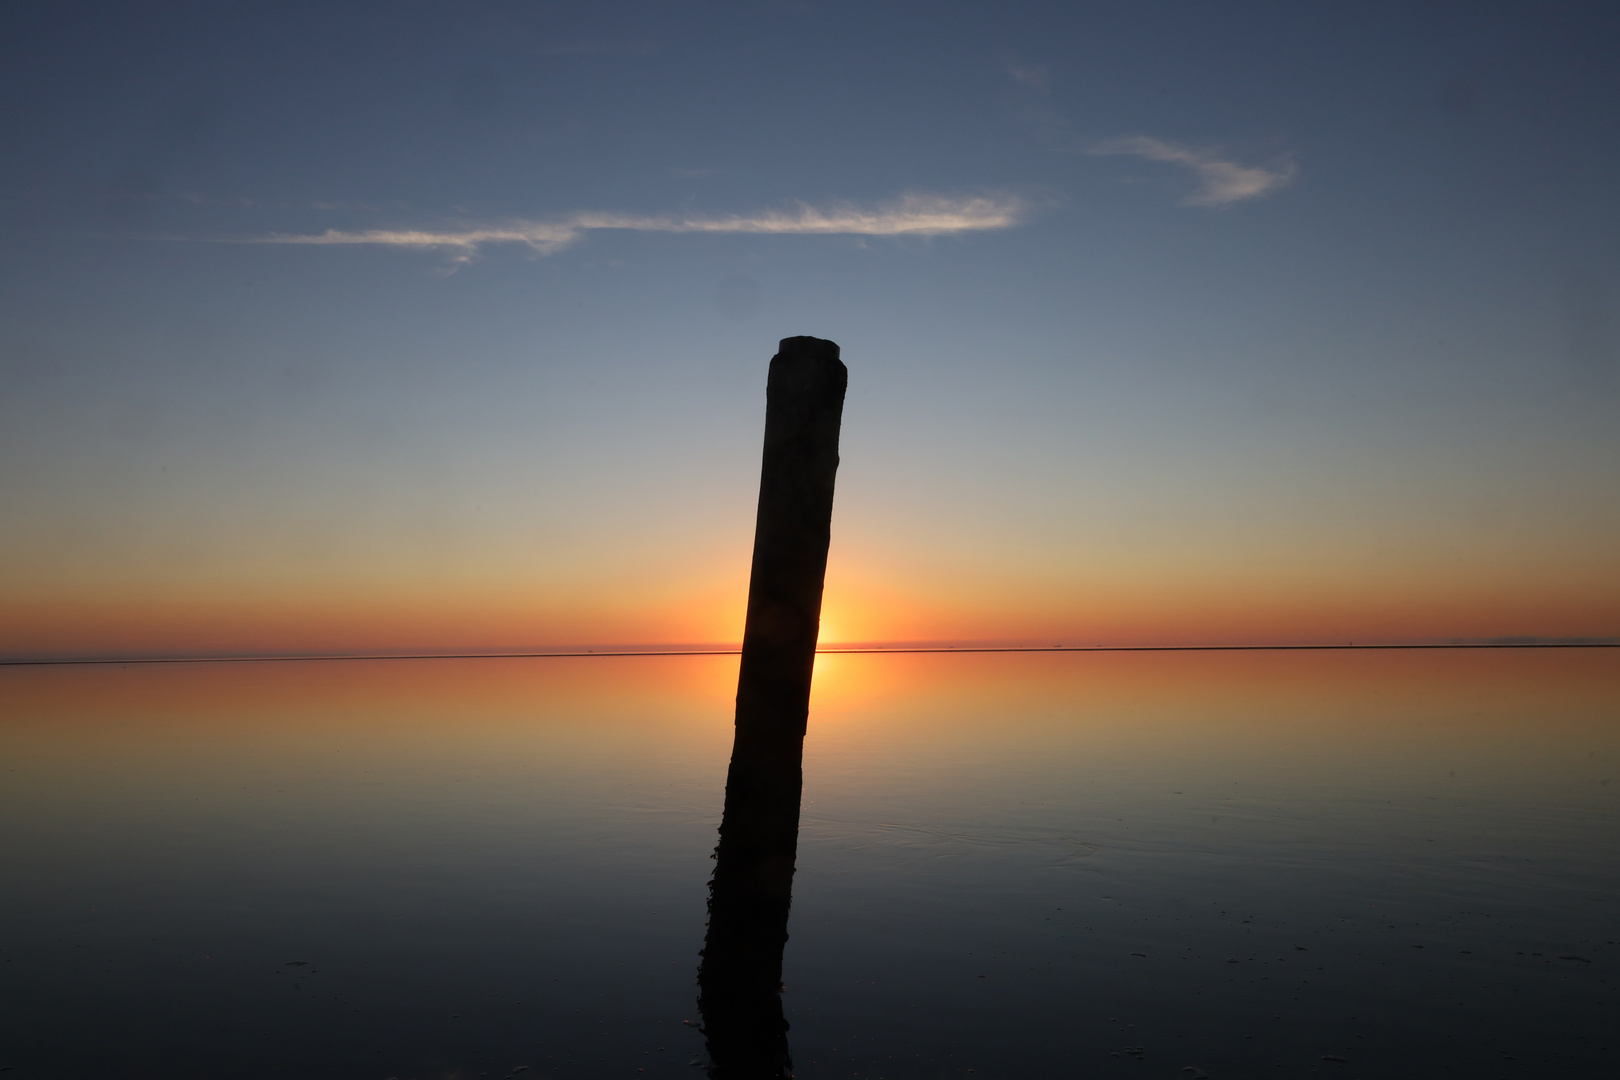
740,979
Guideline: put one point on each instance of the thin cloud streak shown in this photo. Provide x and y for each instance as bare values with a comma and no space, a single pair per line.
1222,182
911,215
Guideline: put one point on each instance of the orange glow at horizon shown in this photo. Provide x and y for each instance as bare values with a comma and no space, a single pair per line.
868,600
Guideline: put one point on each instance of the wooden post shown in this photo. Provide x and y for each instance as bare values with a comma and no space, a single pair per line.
739,982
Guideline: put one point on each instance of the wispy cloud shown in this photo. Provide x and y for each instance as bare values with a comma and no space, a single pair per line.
911,215
1033,76
1221,182
1034,109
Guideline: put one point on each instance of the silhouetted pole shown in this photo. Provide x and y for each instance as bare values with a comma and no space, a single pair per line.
739,982
804,403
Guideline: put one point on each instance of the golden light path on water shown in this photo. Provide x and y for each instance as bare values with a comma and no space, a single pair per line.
1326,709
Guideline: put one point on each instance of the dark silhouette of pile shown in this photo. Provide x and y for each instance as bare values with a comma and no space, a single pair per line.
740,979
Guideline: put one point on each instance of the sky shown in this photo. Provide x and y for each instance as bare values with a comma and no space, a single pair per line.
405,327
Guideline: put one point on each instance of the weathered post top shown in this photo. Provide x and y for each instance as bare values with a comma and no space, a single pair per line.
804,405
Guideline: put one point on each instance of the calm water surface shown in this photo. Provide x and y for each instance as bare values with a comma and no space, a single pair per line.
1172,865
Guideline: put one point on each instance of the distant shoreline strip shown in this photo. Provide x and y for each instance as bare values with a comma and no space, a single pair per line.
829,651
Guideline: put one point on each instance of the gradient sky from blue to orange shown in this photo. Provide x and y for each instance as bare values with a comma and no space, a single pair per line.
1166,322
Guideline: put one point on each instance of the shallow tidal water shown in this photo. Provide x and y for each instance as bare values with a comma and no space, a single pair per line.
1340,864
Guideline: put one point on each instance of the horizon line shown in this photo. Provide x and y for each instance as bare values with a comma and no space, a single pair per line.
829,650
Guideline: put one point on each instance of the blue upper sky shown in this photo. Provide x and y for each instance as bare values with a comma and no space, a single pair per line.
1139,292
